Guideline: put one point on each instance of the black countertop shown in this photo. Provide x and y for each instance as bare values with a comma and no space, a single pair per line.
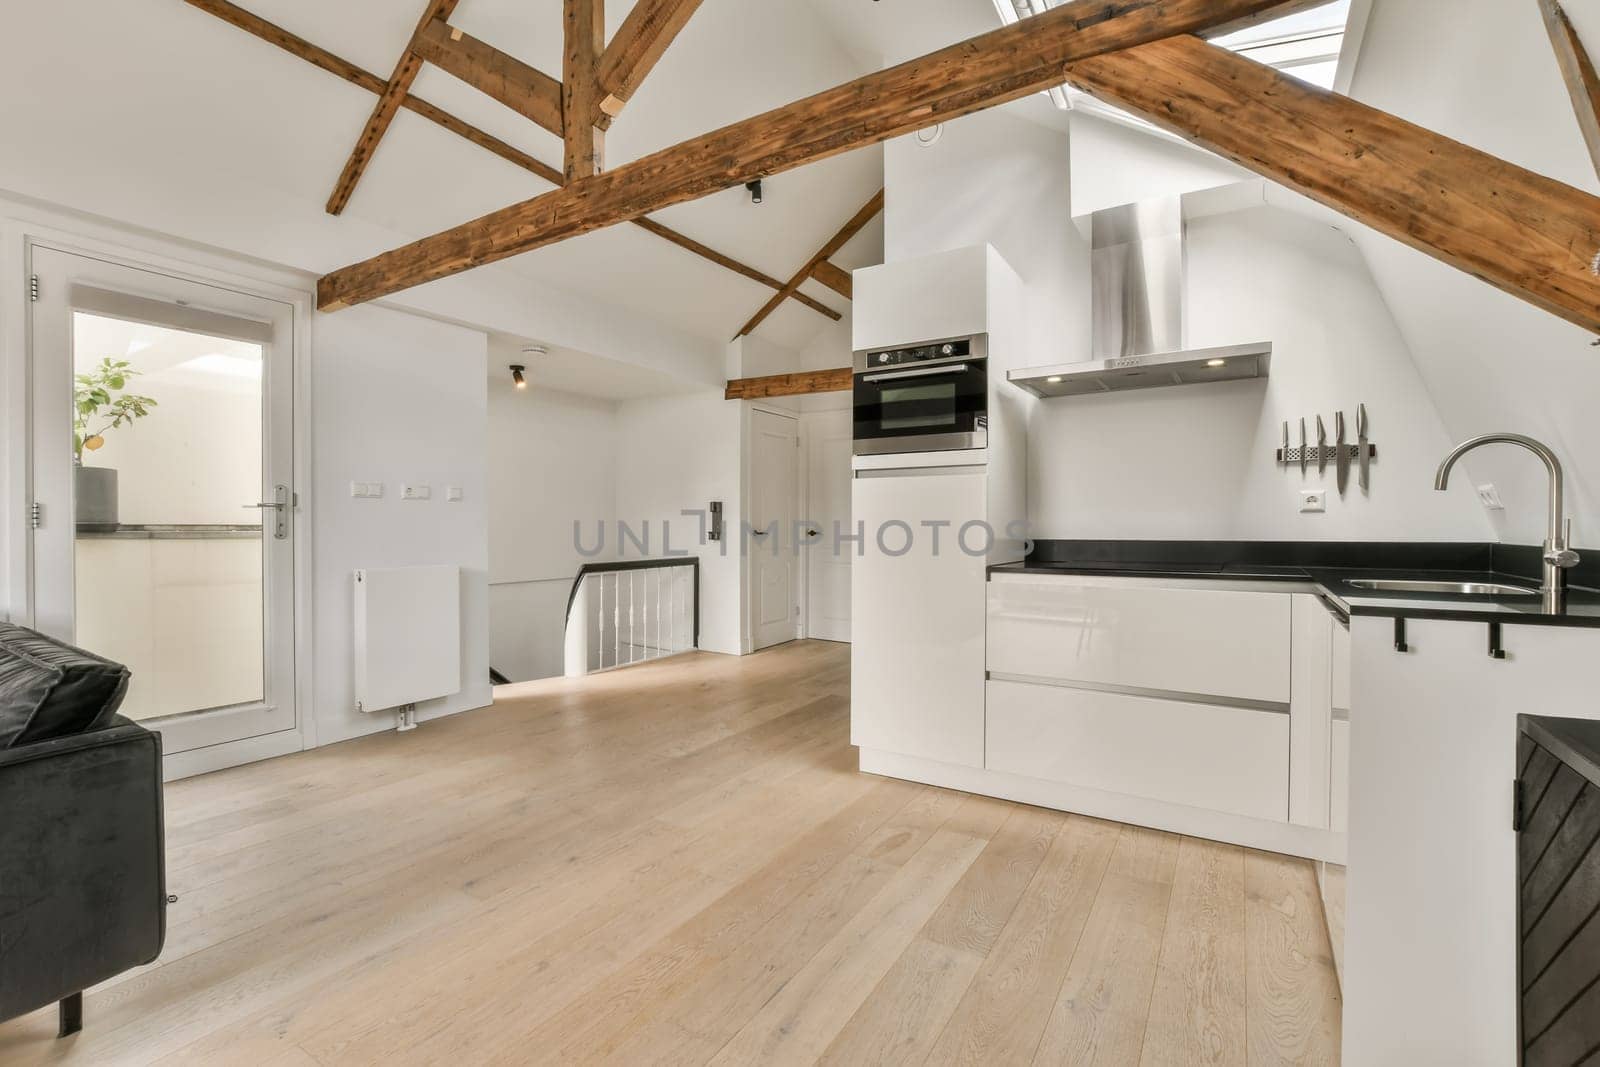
1575,741
1330,565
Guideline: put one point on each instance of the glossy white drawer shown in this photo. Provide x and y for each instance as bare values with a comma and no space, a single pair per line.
1134,633
1206,756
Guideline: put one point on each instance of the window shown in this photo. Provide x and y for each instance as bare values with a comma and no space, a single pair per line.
1306,45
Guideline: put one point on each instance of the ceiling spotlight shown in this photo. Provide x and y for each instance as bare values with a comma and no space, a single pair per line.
755,190
517,377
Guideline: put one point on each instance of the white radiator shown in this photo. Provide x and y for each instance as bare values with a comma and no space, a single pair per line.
408,635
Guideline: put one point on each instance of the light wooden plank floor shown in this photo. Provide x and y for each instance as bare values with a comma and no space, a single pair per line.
678,863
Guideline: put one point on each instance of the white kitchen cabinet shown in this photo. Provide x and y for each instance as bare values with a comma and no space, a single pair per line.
1339,670
1221,758
916,664
1142,633
1339,777
1339,746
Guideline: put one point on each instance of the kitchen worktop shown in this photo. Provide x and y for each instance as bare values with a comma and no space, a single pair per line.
1330,565
1575,741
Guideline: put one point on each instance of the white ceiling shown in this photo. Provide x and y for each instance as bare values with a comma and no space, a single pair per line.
764,53
563,370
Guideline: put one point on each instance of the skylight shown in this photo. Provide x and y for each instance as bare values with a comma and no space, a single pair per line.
1306,44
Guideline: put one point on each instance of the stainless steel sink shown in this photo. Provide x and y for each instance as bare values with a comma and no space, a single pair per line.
1387,585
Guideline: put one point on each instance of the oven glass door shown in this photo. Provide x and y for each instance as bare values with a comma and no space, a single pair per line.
921,408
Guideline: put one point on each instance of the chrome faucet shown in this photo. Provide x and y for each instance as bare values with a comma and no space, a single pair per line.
1558,553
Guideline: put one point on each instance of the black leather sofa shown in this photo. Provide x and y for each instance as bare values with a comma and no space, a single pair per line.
82,852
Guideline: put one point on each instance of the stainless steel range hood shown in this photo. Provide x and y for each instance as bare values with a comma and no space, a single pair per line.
1137,268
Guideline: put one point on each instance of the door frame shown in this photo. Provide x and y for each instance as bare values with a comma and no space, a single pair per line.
21,228
747,624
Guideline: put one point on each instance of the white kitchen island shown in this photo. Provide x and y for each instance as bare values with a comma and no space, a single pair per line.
1431,933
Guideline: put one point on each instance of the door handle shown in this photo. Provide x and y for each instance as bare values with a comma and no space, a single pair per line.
280,507
812,533
921,372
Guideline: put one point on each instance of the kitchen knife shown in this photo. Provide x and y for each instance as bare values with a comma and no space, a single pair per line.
1322,446
1341,459
1361,444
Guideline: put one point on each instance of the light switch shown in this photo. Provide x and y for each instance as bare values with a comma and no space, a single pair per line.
1312,500
1489,497
375,490
453,494
416,492
358,490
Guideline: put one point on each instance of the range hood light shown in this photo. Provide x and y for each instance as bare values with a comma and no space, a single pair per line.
1054,379
1216,362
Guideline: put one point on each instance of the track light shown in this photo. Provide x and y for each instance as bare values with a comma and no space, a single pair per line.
755,190
517,377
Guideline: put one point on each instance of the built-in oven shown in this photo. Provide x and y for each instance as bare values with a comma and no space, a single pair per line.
929,397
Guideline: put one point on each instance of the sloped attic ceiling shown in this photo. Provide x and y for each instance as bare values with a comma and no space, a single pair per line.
208,116
1488,77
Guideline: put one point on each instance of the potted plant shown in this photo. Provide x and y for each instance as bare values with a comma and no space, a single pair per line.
101,404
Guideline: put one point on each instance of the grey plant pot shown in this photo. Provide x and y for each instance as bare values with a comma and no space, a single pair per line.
97,497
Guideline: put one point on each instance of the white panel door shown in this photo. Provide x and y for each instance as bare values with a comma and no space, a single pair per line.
916,658
162,473
827,513
774,555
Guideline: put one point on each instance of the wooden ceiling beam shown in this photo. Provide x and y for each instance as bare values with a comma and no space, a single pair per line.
811,381
584,34
1536,238
834,278
639,44
1005,64
389,101
1577,70
868,212
526,90
343,68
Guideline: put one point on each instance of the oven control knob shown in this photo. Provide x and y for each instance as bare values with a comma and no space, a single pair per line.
948,350
883,357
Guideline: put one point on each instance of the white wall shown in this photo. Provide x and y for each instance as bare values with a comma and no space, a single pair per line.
995,178
1114,165
552,462
397,398
1196,462
1487,77
679,453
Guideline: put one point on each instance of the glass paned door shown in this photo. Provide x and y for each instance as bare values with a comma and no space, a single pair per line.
161,461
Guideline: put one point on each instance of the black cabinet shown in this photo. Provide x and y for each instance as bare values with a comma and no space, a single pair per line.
1558,873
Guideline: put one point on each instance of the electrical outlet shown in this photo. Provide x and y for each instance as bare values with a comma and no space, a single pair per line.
1313,500
1489,497
416,492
